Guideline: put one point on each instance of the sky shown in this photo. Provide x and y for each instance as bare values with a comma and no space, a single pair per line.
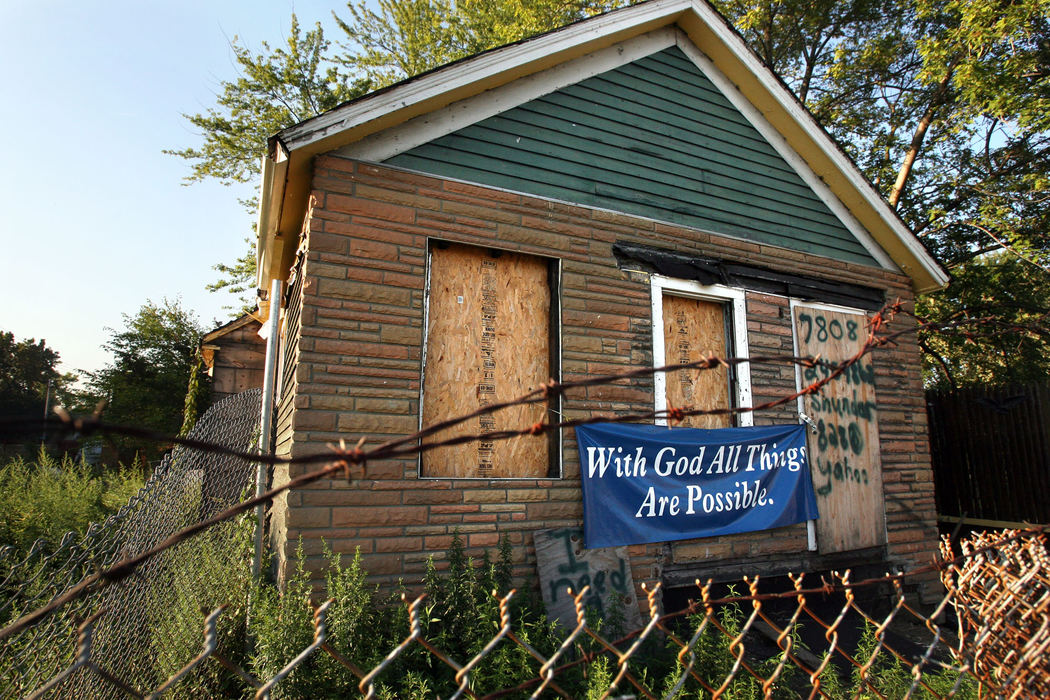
96,218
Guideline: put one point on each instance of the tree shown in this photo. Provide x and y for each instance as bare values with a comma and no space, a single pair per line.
279,87
1015,349
145,385
409,37
944,105
800,40
29,382
972,180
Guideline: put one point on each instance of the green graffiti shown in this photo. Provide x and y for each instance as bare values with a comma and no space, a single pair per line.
818,327
846,437
825,330
842,407
576,575
572,565
857,374
838,472
600,585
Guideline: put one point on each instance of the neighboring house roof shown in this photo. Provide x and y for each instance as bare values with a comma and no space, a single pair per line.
208,342
389,123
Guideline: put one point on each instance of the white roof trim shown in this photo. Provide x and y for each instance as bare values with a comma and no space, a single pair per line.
428,127
489,66
803,118
427,104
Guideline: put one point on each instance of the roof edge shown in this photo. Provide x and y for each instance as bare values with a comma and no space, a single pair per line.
228,327
287,168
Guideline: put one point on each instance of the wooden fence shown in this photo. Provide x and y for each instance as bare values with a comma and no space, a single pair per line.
991,453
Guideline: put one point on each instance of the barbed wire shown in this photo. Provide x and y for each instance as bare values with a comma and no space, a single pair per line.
958,571
412,444
339,458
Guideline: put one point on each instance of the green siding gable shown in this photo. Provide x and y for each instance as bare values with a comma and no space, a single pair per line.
653,138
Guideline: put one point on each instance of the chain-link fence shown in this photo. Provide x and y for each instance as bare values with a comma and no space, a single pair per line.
137,624
987,638
1001,590
132,626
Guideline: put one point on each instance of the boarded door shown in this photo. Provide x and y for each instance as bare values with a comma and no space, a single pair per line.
488,340
693,330
844,450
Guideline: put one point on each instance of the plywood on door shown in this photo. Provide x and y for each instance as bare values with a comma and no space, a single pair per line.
694,329
488,340
844,450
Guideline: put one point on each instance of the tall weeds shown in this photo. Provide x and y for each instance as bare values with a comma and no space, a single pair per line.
49,496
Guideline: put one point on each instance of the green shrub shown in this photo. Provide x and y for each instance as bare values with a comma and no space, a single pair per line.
463,616
281,625
194,578
459,617
713,658
48,497
891,678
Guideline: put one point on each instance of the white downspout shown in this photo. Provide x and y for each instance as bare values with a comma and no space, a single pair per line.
266,418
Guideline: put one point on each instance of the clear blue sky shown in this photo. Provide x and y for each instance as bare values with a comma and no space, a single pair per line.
96,219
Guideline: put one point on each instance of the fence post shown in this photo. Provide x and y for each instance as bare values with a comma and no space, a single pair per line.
266,418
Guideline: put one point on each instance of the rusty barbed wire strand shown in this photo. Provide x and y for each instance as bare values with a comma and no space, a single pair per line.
412,444
402,446
91,424
344,458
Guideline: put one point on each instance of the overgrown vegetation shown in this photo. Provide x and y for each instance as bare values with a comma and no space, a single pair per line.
459,616
714,658
50,496
262,629
43,502
202,575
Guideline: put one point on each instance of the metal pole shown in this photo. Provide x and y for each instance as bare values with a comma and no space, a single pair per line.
266,418
47,405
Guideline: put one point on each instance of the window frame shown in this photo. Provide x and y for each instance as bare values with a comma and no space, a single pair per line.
735,300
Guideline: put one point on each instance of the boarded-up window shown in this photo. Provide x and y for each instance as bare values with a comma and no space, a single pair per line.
695,329
691,322
489,339
844,450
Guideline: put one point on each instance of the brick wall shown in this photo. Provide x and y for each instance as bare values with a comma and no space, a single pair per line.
357,373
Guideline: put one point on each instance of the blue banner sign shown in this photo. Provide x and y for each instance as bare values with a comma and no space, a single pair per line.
646,483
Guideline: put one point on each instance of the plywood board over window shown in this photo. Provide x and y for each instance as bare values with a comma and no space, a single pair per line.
489,339
691,322
844,449
695,329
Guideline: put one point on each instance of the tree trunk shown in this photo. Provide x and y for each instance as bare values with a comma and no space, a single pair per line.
937,100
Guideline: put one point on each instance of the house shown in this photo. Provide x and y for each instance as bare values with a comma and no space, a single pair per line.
629,191
234,355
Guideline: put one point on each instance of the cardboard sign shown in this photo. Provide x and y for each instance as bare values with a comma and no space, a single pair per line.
564,564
